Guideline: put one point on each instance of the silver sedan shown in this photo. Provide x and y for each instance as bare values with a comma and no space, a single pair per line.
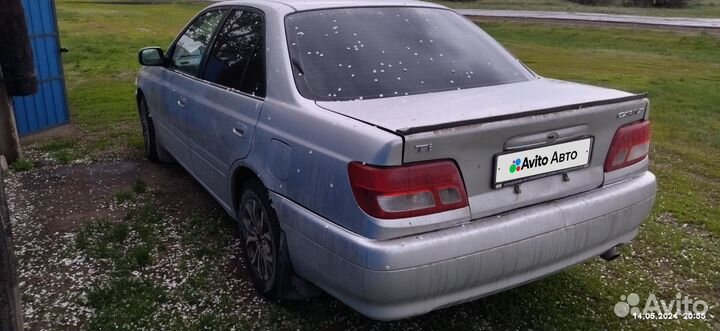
391,153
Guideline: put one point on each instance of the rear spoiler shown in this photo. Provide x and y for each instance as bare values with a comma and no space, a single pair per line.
426,128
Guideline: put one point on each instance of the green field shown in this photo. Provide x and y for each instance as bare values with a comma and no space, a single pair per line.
695,8
678,249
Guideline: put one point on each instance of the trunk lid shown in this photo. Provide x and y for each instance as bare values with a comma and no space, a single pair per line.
474,126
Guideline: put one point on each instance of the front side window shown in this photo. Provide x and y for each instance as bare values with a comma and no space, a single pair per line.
236,60
364,53
190,48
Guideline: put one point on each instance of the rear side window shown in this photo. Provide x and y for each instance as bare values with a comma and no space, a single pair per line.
236,61
364,53
190,48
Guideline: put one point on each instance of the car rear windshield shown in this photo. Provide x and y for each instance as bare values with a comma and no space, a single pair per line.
380,52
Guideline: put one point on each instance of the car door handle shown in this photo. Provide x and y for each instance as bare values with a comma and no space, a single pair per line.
182,101
239,129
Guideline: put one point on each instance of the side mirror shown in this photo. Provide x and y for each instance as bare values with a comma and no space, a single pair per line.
151,56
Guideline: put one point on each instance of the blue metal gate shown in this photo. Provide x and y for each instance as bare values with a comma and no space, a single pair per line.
48,107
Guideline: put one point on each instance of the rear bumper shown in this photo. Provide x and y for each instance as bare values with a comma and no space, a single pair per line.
392,279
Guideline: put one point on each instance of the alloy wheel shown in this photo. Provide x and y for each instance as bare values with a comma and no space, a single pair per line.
258,239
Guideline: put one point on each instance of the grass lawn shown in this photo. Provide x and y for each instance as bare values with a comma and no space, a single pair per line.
100,70
695,8
678,249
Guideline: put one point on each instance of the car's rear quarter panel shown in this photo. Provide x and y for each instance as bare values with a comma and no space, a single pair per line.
320,145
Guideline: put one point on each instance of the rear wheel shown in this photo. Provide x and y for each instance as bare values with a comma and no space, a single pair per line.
263,243
152,150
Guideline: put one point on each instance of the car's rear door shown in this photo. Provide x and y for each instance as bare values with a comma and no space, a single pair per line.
228,101
184,63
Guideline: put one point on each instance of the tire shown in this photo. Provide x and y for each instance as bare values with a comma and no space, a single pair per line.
152,149
264,244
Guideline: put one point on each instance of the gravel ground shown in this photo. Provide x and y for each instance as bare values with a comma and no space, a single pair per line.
50,277
52,203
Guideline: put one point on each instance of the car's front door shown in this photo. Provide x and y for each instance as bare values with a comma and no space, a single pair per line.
185,60
228,103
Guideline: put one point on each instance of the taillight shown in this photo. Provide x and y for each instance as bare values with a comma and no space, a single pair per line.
408,190
630,145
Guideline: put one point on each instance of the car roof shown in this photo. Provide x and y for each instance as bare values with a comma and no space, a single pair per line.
300,5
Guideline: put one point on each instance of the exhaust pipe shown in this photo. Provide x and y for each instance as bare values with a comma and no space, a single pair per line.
610,254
